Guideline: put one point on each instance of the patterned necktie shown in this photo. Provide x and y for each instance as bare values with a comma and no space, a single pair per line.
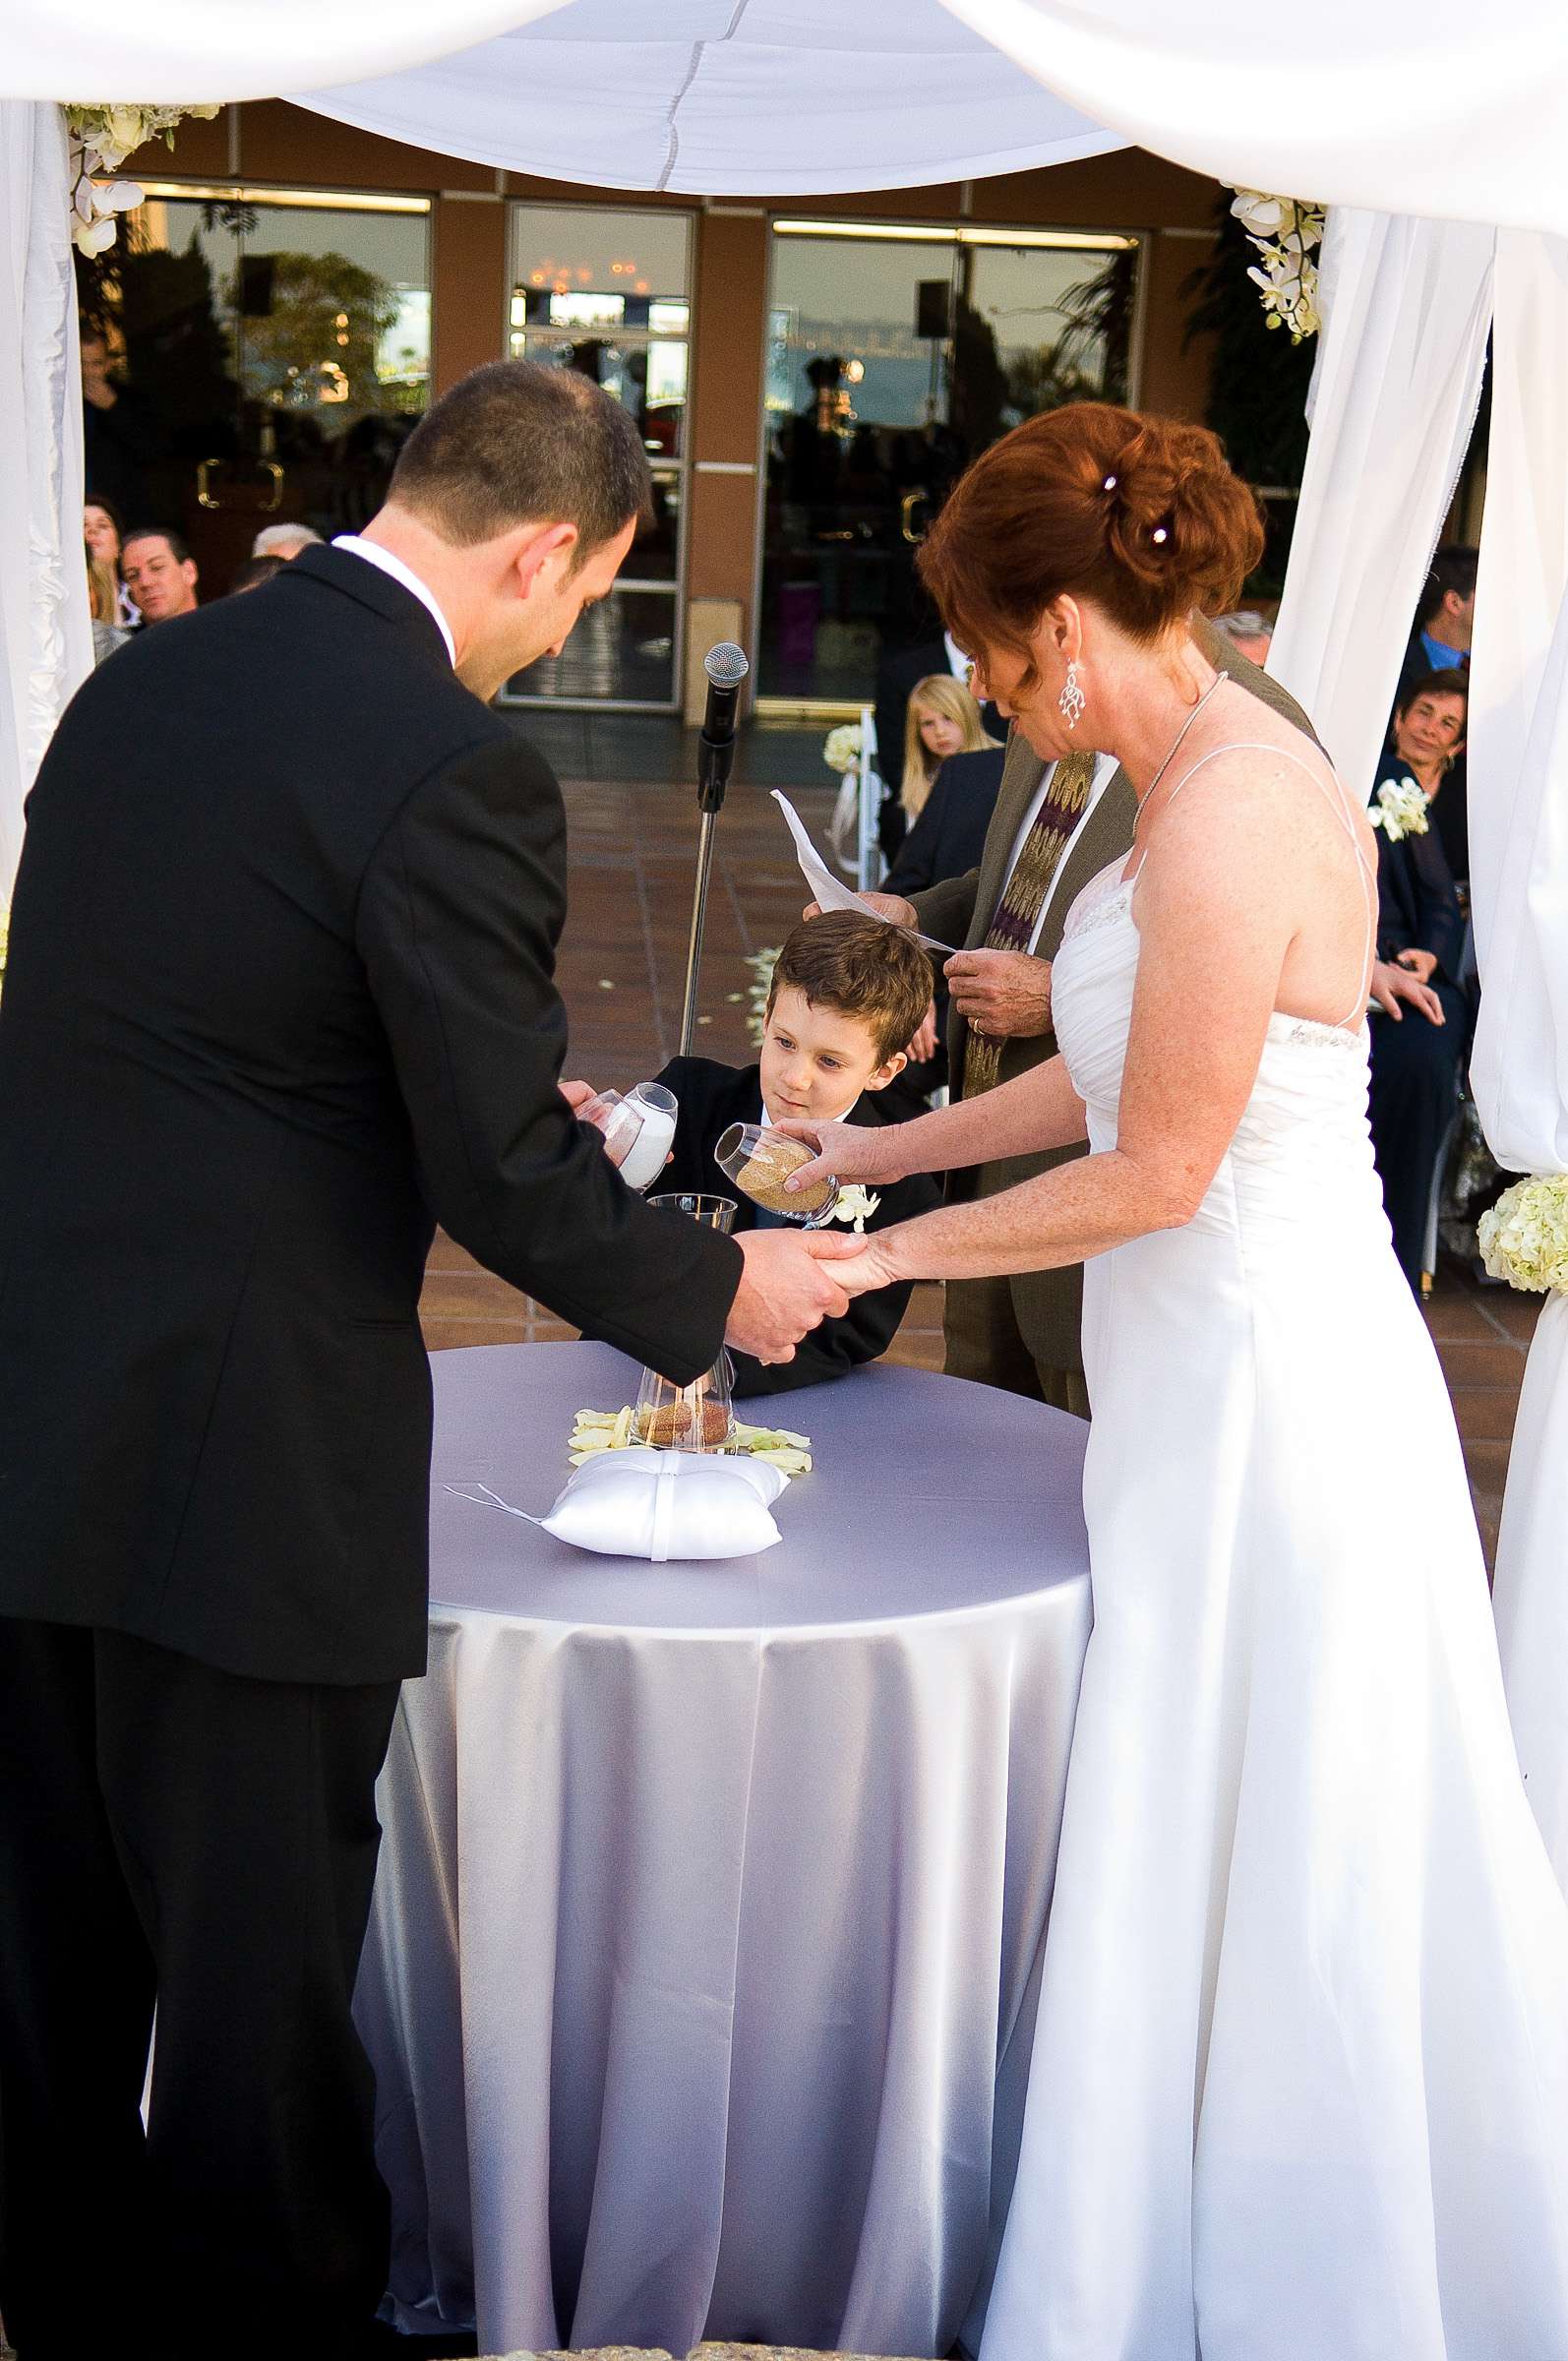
1023,898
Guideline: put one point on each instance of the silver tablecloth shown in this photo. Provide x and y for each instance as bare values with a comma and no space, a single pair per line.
711,1897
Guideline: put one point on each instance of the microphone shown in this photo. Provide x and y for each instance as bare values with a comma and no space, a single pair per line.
726,667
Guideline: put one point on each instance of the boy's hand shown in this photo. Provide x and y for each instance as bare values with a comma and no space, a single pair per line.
577,1095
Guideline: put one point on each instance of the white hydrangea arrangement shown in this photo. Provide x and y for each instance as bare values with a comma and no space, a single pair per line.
1401,810
842,748
101,138
1524,1236
1287,234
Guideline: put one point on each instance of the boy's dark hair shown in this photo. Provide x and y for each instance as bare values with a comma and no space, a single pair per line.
519,443
179,547
1453,568
861,966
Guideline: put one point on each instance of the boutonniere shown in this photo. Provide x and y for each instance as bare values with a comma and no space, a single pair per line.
1401,810
855,1205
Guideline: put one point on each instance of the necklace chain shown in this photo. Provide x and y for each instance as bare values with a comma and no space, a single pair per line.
1171,750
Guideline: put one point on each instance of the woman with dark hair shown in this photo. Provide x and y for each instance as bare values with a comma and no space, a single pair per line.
1300,2066
1419,1049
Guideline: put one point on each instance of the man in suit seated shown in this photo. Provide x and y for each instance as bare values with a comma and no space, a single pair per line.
848,994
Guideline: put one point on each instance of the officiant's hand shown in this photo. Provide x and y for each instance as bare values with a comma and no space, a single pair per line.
790,1285
1005,995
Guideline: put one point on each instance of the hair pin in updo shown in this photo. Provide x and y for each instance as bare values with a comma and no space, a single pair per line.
1110,484
1159,535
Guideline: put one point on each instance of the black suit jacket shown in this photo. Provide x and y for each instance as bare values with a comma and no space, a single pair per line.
949,837
895,683
711,1098
1417,907
279,997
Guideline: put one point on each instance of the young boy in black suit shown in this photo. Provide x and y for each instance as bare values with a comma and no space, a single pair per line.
848,992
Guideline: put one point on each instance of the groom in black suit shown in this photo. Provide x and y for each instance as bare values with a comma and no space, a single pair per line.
279,997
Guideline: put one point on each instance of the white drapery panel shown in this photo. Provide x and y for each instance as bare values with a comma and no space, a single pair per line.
1429,107
1398,378
203,50
1518,862
45,636
773,98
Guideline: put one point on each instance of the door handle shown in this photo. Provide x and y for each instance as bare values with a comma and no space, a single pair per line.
207,498
906,516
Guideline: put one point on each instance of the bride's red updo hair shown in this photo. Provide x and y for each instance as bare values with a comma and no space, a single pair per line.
1140,515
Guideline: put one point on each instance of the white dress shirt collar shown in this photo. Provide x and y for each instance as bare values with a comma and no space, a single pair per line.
957,661
374,555
1105,771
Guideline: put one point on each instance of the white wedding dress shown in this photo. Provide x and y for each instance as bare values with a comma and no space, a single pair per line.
1300,2083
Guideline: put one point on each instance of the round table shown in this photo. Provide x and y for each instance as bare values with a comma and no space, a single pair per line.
701,1978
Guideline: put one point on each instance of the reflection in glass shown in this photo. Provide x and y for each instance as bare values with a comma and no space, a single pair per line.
622,651
648,379
565,249
252,336
893,361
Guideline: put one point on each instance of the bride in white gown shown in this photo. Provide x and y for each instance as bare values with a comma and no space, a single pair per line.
1299,2087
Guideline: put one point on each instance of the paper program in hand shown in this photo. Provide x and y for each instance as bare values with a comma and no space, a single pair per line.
829,891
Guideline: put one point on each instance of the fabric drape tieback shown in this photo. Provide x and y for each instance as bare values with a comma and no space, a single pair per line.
1023,898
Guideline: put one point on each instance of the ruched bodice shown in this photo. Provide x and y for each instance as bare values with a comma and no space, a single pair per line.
1303,1146
1300,2088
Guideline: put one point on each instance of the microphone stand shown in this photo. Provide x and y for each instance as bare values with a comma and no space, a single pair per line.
726,668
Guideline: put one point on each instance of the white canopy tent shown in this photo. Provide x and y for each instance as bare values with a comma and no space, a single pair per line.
1436,135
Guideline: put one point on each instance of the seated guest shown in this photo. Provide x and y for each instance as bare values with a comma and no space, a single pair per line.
1419,1040
103,605
942,719
950,835
101,531
160,574
895,680
1249,630
253,575
1426,743
1445,617
284,541
945,841
847,994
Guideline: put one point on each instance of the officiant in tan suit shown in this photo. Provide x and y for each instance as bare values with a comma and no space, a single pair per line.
1055,826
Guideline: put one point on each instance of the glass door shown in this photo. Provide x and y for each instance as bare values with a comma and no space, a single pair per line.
897,353
609,293
268,354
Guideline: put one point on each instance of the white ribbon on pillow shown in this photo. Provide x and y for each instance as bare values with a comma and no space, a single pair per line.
661,1505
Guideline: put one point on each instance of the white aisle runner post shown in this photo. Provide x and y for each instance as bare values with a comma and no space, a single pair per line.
1519,872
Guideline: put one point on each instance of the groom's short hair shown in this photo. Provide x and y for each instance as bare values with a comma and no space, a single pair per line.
520,443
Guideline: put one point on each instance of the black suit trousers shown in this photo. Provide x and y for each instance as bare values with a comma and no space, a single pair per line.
1416,1070
176,1835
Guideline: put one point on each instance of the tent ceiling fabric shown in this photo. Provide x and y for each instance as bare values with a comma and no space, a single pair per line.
197,51
730,98
1431,108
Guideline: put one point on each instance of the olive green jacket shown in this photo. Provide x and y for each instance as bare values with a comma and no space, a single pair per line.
1049,1305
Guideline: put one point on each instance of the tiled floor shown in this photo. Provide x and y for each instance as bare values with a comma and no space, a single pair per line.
623,963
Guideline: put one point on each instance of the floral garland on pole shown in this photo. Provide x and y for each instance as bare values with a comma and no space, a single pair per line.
1287,234
101,138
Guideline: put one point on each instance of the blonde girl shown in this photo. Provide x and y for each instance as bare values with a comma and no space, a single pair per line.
943,719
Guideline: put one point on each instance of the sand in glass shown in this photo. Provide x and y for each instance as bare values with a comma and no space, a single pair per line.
697,1417
759,1163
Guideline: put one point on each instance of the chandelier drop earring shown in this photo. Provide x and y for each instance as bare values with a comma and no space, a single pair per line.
1073,700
